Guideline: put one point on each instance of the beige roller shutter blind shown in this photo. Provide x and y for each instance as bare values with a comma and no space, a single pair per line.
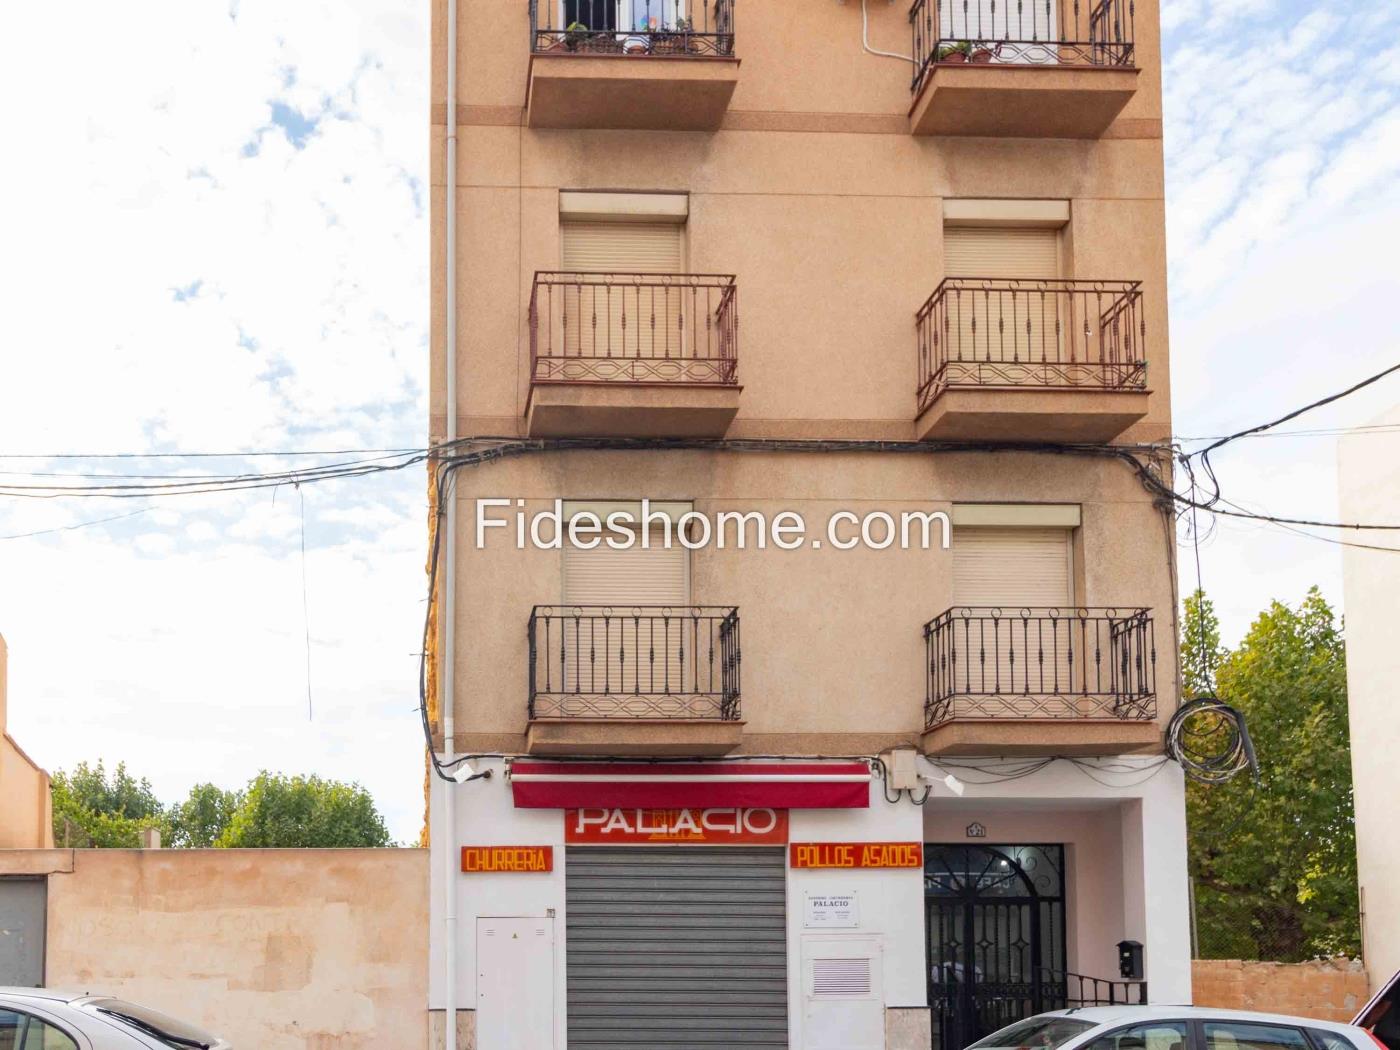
622,247
1000,323
623,578
975,251
624,319
1012,567
634,651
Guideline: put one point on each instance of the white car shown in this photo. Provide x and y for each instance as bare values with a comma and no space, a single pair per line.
1175,1028
40,1019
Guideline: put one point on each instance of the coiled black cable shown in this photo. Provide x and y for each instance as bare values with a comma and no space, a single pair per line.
1210,741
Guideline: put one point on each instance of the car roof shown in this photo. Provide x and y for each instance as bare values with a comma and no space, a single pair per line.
53,995
1111,1015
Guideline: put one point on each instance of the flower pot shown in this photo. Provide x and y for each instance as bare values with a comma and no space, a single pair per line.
981,56
954,56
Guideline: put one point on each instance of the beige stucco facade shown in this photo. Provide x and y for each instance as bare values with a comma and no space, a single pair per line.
811,173
274,949
26,812
1369,478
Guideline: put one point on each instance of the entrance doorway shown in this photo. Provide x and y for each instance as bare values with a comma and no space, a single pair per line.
995,924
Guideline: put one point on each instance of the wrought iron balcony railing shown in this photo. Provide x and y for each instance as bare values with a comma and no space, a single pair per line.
1051,334
634,328
1021,32
673,28
1040,663
625,662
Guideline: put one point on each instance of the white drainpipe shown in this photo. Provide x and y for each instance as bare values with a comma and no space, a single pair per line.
448,827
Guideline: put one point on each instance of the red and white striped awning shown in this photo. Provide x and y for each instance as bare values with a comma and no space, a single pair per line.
690,785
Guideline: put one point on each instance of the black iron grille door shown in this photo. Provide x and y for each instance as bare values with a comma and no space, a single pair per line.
676,946
996,937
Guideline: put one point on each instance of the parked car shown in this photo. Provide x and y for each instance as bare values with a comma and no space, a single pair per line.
41,1019
1381,1016
1177,1028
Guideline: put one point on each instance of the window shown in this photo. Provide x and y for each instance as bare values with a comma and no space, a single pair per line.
161,1027
1012,566
1154,1035
1330,1040
1240,1035
602,575
1035,1033
20,1031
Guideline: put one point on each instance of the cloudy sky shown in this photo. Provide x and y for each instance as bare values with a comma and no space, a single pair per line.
217,241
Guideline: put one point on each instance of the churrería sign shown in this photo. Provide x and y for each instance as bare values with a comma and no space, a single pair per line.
856,855
709,827
479,860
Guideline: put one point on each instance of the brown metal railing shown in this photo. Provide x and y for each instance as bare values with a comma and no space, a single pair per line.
634,328
1027,33
644,661
1040,663
1054,334
674,28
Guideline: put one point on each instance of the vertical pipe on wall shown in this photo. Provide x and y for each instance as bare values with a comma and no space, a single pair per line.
447,690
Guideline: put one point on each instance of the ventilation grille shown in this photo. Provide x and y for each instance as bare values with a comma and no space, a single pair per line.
840,977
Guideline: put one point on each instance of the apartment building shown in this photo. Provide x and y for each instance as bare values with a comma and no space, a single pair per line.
1368,471
836,259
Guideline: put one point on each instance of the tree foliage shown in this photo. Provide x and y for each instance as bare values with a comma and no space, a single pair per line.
1274,865
287,812
92,808
197,822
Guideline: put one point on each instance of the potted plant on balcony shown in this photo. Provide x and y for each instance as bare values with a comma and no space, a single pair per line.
575,33
674,39
957,52
981,55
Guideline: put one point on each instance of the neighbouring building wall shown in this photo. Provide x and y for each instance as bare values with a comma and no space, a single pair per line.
273,949
26,818
1369,481
1327,989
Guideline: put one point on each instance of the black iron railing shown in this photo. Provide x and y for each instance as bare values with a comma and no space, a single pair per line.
674,28
1076,989
651,661
634,328
1053,334
1040,663
1020,32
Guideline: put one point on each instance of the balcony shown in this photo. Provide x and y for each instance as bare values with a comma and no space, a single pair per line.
604,64
1020,360
633,355
634,681
1032,70
1040,681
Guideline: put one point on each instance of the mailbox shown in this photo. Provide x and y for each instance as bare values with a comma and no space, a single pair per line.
1130,960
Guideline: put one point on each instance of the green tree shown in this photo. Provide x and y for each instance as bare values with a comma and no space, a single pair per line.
279,811
197,822
1201,651
93,808
1274,865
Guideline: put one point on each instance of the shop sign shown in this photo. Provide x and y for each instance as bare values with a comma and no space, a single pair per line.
632,827
479,860
831,911
856,855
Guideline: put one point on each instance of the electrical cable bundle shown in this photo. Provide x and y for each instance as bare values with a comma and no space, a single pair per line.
1210,740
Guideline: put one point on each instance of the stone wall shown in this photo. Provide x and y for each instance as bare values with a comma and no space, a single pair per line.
274,949
1329,989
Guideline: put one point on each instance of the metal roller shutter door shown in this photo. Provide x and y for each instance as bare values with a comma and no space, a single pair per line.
679,947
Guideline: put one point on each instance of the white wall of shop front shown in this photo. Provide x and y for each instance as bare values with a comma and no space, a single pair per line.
1123,823
1127,854
891,904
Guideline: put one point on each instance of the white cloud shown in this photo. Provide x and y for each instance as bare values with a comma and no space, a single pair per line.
179,288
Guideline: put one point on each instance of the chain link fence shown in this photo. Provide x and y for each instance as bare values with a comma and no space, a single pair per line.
1258,928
